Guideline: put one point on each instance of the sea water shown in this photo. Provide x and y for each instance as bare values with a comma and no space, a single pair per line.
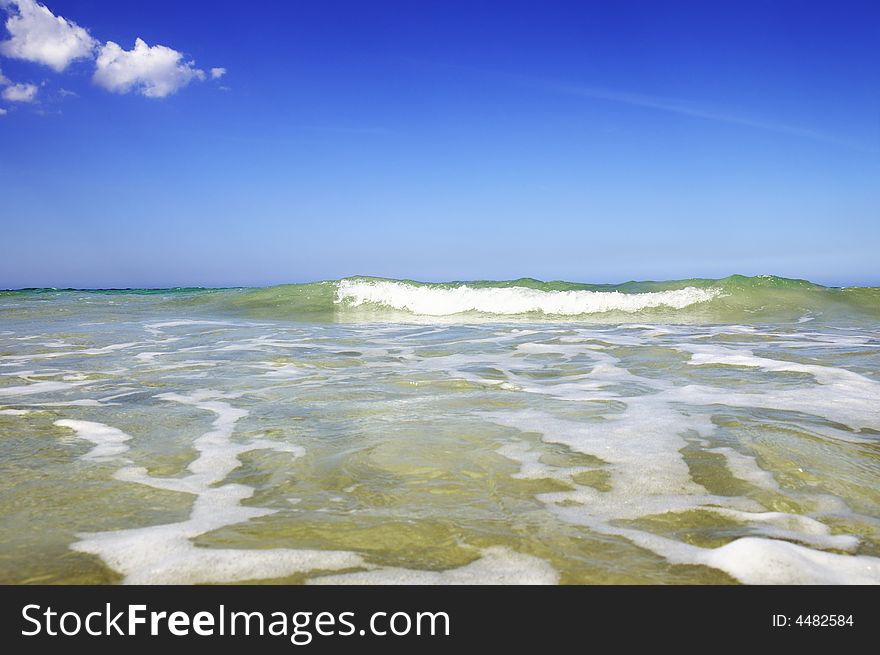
387,431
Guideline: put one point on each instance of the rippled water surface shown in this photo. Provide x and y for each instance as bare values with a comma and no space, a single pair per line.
142,442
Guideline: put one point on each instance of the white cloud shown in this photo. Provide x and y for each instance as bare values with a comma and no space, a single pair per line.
154,72
40,36
2,111
20,92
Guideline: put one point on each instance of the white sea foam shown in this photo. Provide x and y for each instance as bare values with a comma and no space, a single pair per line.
81,402
531,467
795,527
163,554
757,560
497,565
647,474
36,387
840,395
72,353
511,301
158,328
109,442
641,447
620,394
148,356
746,468
658,482
725,356
769,561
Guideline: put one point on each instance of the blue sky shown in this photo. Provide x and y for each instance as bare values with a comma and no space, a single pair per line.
589,141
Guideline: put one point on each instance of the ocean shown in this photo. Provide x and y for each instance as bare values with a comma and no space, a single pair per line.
367,430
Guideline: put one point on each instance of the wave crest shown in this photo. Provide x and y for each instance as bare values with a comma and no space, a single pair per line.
433,300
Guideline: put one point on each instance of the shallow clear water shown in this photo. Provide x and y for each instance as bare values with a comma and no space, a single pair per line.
147,440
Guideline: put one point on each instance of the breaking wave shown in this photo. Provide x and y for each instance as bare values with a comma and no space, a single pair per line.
735,299
438,300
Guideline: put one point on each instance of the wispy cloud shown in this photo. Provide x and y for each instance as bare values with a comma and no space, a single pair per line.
696,110
678,106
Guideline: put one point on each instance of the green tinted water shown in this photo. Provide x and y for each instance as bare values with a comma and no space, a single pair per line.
285,434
